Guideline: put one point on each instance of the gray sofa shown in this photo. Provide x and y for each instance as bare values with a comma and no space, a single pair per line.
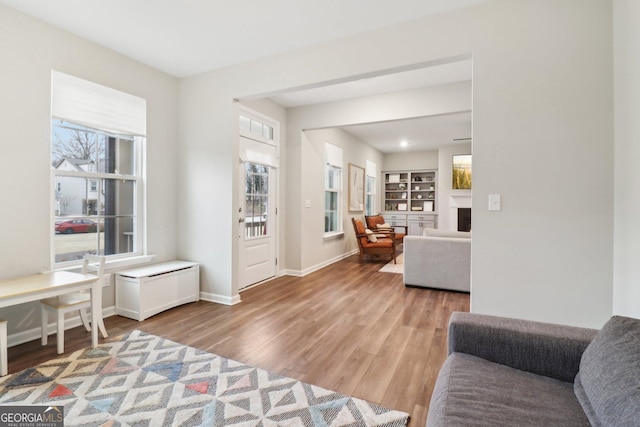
438,259
509,372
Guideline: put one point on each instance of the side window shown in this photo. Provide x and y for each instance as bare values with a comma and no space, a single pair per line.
332,190
370,188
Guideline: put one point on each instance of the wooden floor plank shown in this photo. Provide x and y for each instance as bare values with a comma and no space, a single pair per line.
346,327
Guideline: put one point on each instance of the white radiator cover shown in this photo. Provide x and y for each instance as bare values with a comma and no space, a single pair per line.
143,292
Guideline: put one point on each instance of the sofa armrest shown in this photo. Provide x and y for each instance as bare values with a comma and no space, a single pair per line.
541,348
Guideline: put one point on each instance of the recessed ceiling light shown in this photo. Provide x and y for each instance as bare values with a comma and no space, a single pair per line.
404,144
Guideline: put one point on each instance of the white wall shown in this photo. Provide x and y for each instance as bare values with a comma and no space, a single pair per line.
626,290
30,50
317,251
411,161
543,138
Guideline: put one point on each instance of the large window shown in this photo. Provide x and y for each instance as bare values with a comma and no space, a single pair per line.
332,184
96,165
332,190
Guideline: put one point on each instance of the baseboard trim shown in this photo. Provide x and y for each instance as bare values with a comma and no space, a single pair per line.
225,300
220,299
69,323
302,273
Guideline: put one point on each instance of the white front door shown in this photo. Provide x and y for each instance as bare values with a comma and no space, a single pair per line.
257,221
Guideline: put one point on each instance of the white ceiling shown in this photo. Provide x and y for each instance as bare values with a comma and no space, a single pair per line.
417,134
185,37
397,82
188,37
420,134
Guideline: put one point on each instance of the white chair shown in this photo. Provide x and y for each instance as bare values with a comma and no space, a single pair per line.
75,301
4,367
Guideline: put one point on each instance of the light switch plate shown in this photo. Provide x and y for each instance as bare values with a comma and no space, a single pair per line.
495,202
307,203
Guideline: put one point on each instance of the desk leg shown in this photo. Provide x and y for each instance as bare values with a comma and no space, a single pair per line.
96,311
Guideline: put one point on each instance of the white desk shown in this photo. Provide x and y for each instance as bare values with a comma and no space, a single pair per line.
45,285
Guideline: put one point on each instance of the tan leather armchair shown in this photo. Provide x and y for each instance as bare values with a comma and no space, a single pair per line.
374,243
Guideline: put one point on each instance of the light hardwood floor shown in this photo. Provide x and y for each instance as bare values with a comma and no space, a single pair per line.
346,327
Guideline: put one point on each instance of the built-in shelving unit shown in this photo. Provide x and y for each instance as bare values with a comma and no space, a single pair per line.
410,191
410,199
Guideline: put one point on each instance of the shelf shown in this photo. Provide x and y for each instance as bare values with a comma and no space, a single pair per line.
405,183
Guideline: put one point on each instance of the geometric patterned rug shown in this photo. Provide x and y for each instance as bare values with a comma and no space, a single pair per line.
145,380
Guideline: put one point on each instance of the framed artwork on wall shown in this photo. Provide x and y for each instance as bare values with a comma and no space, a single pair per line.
461,172
356,188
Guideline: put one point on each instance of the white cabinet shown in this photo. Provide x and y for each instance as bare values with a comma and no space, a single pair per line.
413,222
417,223
143,292
395,220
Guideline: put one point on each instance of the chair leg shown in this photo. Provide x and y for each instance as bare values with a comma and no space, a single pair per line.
85,319
4,366
60,333
45,325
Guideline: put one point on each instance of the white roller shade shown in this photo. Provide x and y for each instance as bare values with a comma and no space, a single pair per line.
333,155
96,106
257,152
371,169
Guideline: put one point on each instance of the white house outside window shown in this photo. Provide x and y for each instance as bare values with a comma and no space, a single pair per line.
96,163
332,190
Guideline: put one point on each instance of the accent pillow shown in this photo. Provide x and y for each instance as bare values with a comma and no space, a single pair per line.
372,237
608,381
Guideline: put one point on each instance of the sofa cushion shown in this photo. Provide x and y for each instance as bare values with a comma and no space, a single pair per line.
608,381
373,220
438,232
541,348
471,391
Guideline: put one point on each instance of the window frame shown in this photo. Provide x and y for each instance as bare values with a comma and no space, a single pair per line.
370,195
139,240
337,176
334,163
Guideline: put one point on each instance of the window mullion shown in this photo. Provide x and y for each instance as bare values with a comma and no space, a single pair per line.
95,175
